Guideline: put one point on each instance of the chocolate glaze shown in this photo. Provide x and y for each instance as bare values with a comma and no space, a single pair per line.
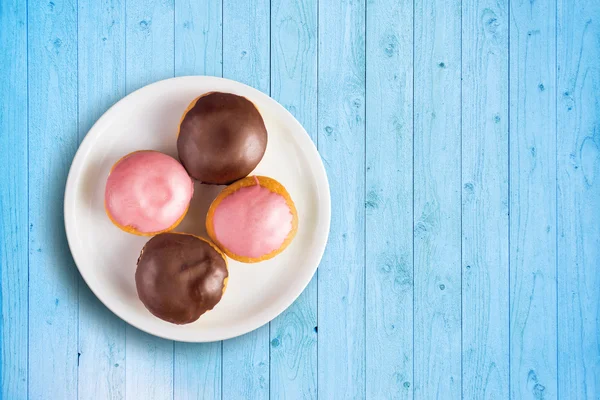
222,138
179,277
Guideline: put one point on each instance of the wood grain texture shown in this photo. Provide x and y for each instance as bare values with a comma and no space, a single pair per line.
149,57
246,58
101,77
53,140
246,39
578,179
197,371
150,36
294,349
293,335
464,248
149,366
13,201
485,290
341,133
389,200
437,200
198,51
198,37
532,239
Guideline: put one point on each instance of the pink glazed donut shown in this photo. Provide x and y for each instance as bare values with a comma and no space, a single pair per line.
253,219
147,193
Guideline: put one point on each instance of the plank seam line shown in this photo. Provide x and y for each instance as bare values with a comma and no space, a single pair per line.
363,208
556,184
509,206
413,201
222,47
461,202
174,62
28,215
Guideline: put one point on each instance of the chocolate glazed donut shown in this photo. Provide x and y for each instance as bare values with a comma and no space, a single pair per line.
222,138
179,277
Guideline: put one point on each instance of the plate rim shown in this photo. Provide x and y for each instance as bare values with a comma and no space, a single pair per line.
266,315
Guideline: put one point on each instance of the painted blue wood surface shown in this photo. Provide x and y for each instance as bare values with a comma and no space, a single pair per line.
389,200
532,237
13,201
462,145
341,130
101,83
437,200
578,202
52,141
485,217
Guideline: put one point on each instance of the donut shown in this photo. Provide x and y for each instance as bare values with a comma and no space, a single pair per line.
179,277
252,220
147,192
222,138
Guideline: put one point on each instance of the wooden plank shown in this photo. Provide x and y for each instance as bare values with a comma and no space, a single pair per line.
101,76
485,199
13,201
198,51
437,200
293,367
149,57
198,38
149,366
578,159
389,201
341,130
150,39
246,58
53,140
197,371
294,348
533,200
246,39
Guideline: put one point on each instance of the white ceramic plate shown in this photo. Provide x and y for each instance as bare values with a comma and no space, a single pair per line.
106,256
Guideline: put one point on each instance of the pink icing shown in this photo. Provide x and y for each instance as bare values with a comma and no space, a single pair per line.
148,191
252,221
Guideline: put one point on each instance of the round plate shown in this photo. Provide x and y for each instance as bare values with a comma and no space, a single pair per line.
106,256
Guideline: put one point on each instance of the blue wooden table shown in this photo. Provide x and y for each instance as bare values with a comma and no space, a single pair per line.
462,144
